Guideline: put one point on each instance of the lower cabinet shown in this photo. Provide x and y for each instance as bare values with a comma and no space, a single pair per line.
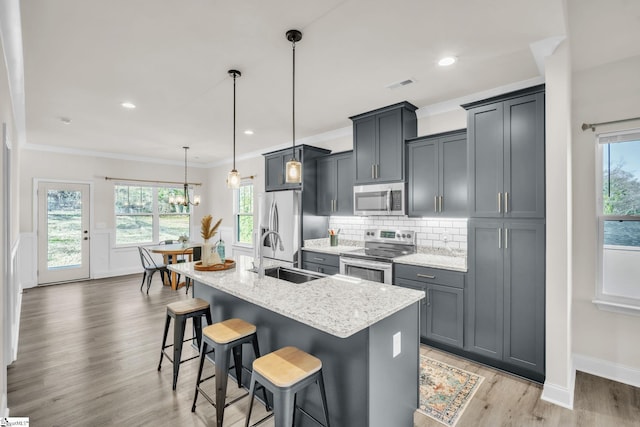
505,298
320,262
442,311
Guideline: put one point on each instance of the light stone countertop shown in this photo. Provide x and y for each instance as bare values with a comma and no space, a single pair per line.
435,260
338,305
335,250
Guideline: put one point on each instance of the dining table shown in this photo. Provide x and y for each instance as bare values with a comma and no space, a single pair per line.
170,253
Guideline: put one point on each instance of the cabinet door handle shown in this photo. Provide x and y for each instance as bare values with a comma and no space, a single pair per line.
499,238
318,259
506,238
428,299
440,204
506,202
425,276
435,203
373,171
499,202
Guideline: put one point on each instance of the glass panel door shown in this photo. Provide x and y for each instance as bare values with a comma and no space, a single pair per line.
63,232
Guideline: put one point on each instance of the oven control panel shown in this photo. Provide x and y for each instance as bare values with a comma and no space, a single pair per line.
397,236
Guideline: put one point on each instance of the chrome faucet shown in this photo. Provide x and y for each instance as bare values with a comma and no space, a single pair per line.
264,236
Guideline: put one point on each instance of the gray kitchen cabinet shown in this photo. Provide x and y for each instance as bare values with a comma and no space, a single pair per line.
506,155
335,177
275,162
437,175
320,262
442,311
378,142
505,296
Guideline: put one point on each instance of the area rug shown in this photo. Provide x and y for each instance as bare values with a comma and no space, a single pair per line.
445,390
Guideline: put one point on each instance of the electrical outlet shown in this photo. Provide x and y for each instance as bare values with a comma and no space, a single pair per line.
397,343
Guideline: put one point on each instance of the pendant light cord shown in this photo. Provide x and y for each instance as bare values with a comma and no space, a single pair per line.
293,144
186,185
234,121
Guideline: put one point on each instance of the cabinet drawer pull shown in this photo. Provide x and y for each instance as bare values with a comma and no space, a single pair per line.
499,238
499,202
440,204
318,259
506,238
506,202
435,203
373,171
426,276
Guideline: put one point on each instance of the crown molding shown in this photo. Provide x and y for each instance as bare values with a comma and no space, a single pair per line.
102,154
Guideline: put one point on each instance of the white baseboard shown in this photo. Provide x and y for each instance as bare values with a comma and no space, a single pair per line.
606,369
559,395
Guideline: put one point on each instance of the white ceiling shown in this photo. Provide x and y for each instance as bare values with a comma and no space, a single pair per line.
82,58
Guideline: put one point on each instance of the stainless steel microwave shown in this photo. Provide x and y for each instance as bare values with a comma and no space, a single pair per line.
379,199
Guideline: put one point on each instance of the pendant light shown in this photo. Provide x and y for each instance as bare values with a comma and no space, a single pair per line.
293,170
184,200
233,179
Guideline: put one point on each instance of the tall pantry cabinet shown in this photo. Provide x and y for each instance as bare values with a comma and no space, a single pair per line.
505,300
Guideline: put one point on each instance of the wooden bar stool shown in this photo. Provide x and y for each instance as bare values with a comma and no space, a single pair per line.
285,372
180,311
225,337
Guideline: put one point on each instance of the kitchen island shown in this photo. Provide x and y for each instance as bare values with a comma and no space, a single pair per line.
365,333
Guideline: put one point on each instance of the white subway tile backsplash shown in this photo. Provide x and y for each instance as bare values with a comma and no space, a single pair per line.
430,232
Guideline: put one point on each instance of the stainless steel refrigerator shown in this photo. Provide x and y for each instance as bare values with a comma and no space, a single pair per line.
285,213
280,211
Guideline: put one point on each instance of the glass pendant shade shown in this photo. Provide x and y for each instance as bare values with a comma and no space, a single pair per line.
196,200
233,180
293,172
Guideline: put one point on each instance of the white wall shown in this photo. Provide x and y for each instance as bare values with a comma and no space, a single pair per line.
600,94
106,260
559,381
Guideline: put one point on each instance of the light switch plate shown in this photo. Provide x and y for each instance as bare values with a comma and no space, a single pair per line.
397,343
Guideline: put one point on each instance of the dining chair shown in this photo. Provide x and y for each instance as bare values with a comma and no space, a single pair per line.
196,256
150,267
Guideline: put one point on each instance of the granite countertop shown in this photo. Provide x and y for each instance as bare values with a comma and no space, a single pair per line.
335,250
435,259
338,305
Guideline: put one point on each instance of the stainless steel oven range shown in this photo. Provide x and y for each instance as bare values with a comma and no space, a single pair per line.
375,261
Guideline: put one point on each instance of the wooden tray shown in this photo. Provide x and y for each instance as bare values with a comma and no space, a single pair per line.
228,264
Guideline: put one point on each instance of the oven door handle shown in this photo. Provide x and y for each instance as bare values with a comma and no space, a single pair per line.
366,263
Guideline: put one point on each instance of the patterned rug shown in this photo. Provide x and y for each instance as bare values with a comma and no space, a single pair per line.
445,390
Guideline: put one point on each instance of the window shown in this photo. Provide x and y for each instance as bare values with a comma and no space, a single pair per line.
619,221
144,214
243,212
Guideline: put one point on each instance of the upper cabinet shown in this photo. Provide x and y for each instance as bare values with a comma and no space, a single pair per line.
437,175
378,142
506,155
274,164
335,175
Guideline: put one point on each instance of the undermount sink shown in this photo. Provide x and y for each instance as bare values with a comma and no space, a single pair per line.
291,275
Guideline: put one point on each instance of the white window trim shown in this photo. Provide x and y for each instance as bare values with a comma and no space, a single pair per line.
603,300
155,215
236,195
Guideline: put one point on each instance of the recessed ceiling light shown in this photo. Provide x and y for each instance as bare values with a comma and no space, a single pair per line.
65,120
128,105
447,60
248,132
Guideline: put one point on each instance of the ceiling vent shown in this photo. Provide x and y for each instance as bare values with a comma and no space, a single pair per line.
397,85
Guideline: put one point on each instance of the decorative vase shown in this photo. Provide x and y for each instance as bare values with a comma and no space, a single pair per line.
207,252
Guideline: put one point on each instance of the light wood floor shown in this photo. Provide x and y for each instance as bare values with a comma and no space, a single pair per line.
88,354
